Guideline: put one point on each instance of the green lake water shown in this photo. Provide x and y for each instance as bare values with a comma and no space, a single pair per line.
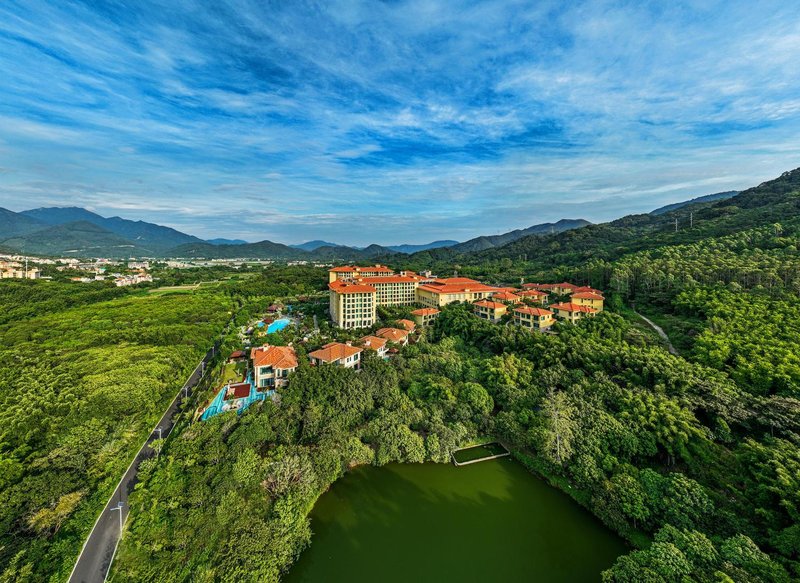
492,521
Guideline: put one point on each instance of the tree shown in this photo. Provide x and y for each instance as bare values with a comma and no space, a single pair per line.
559,427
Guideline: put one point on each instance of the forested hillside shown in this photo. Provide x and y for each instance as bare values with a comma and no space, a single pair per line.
85,372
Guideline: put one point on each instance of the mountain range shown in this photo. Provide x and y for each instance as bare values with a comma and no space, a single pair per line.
80,232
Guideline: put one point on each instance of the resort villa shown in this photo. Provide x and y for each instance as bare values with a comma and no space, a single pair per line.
407,324
490,310
507,296
593,299
376,344
572,312
272,365
533,318
425,316
395,335
344,355
538,296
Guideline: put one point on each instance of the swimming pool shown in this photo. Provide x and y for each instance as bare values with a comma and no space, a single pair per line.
278,325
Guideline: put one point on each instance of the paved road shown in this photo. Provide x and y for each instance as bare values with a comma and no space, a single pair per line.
98,551
660,331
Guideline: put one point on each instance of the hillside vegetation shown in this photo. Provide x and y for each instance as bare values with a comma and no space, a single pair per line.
85,372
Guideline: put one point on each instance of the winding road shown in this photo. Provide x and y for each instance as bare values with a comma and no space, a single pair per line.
660,331
97,554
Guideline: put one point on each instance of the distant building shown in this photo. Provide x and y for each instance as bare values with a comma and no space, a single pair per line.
272,365
533,318
490,310
138,265
337,353
354,271
425,316
440,292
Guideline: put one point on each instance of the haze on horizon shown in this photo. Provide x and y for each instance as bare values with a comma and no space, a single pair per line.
393,122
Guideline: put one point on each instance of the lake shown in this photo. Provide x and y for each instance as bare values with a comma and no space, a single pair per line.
491,521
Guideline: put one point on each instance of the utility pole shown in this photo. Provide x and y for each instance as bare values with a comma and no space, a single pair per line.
120,505
691,219
676,224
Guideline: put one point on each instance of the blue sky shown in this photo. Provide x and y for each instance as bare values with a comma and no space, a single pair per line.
391,122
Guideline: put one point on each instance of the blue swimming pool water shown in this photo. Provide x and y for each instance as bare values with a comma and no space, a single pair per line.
278,325
217,406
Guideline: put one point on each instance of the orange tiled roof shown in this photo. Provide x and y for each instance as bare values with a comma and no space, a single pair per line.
393,334
373,342
489,304
588,296
530,293
407,324
275,356
425,312
570,307
456,285
534,311
343,287
334,351
507,296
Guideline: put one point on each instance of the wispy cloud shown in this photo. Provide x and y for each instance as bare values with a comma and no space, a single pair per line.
391,122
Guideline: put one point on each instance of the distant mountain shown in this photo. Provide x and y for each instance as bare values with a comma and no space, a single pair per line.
414,248
78,238
707,198
220,241
62,215
314,245
771,202
13,224
152,238
491,241
259,250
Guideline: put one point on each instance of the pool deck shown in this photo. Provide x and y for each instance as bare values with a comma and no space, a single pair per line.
219,405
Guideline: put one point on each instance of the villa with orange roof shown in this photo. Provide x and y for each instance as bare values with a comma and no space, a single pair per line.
344,355
538,296
506,296
425,316
572,312
375,343
407,324
533,318
395,335
490,310
272,365
593,299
